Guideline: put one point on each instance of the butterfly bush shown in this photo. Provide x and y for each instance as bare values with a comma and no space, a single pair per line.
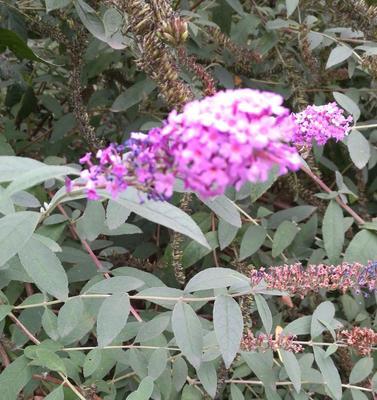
233,137
320,124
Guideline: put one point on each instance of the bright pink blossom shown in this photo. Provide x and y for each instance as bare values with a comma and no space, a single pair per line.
233,137
320,124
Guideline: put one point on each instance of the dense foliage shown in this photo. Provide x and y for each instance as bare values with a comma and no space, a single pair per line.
252,275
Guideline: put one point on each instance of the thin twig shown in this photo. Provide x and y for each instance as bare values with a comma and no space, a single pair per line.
196,5
4,356
94,258
285,383
213,226
26,331
323,185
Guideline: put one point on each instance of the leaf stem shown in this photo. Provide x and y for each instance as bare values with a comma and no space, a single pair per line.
365,126
323,186
94,258
132,297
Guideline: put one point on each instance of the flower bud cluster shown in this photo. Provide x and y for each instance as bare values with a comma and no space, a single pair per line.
263,342
297,280
360,339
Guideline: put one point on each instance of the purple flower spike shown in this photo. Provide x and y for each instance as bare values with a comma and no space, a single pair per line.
230,138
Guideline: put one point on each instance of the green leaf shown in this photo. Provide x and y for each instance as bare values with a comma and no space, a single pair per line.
329,373
300,326
358,395
283,237
44,268
92,362
48,359
56,4
144,391
361,370
226,233
51,244
348,104
194,251
5,309
62,126
225,209
338,55
236,393
157,363
57,394
6,204
291,6
264,312
133,95
36,176
16,45
90,19
228,325
191,393
363,248
252,241
15,230
70,316
292,367
116,284
180,373
293,214
333,232
116,215
50,324
237,6
325,312
91,223
261,364
162,213
112,318
113,23
208,377
216,278
258,189
12,167
14,378
153,328
188,333
359,148
331,349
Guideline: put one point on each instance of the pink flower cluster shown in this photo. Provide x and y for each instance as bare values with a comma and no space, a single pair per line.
263,342
230,138
296,280
363,340
227,139
321,123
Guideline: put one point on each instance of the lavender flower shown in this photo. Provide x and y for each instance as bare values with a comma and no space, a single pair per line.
320,124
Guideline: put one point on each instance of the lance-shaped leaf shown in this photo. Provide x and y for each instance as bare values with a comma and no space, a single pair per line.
228,324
